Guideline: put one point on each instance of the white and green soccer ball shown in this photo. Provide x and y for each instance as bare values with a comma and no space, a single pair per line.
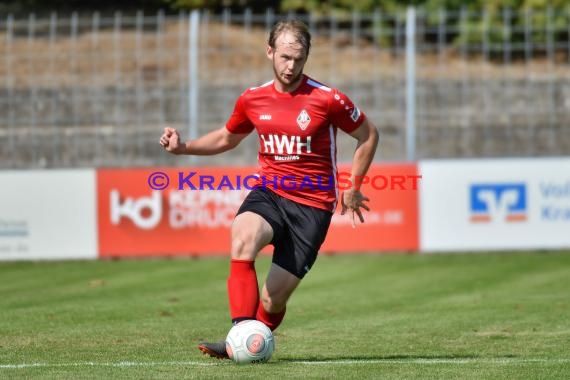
250,341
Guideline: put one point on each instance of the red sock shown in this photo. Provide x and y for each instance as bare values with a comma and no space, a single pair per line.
243,291
271,320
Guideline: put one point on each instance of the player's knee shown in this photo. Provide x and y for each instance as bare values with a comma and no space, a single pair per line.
239,250
243,248
247,241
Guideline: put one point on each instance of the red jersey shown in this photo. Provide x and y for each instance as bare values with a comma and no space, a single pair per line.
297,138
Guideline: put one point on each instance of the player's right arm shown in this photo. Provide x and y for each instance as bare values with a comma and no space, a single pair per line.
215,142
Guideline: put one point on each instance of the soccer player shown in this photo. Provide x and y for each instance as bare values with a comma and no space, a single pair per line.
296,119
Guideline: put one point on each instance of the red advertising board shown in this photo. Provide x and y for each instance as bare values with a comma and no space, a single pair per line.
392,224
189,211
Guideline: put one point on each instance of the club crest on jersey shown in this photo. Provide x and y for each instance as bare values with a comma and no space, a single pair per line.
303,120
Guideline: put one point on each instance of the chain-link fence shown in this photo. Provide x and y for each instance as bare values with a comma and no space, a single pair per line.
80,90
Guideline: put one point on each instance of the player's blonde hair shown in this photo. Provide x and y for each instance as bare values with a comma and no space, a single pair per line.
299,30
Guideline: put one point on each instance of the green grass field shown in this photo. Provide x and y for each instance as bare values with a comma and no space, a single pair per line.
465,316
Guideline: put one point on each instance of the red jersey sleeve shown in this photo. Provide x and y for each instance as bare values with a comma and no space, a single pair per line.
343,113
238,121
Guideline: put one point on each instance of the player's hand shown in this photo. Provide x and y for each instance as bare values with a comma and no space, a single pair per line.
170,140
354,201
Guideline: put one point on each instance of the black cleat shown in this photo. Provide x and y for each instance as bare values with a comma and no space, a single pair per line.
215,350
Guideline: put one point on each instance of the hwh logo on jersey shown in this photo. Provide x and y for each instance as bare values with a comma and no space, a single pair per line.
283,144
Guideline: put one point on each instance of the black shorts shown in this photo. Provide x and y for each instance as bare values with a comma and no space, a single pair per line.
298,230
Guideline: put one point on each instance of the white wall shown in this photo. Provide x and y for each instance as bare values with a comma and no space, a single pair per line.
48,214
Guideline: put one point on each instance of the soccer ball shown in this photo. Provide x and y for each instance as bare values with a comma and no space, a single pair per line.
250,342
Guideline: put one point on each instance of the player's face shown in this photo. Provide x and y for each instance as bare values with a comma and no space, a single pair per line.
289,58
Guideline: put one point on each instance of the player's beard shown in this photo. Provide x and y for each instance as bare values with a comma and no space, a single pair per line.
291,83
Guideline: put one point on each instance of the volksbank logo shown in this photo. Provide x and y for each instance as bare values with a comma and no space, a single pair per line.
505,202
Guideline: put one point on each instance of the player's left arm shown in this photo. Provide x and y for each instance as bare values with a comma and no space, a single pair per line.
352,199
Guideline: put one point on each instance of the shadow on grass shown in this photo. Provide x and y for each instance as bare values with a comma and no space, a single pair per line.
388,358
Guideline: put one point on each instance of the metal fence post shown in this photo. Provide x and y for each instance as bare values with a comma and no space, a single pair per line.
10,88
119,93
32,83
410,83
193,51
182,74
139,81
550,30
74,151
530,123
507,37
55,130
159,39
332,47
95,96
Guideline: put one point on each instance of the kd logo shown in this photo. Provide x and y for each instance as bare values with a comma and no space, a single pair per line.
144,212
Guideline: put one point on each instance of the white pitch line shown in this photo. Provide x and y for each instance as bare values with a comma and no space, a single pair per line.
108,364
427,361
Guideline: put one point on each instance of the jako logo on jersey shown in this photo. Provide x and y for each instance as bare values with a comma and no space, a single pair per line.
265,117
144,212
303,120
283,144
498,201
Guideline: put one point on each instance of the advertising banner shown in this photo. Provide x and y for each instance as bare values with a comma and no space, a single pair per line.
392,224
47,215
495,204
166,211
189,211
